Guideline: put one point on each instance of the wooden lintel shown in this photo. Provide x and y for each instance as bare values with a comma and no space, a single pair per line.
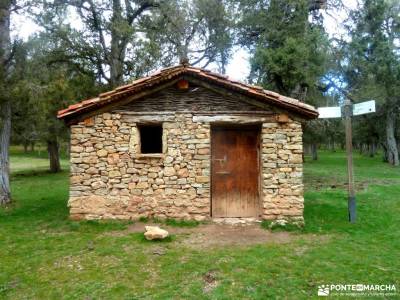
234,112
144,113
197,112
147,119
232,119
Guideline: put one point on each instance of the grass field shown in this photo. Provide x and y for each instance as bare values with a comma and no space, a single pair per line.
43,255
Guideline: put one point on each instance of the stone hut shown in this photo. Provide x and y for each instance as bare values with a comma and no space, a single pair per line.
187,143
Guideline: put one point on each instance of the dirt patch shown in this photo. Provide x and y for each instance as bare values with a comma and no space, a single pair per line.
214,235
210,281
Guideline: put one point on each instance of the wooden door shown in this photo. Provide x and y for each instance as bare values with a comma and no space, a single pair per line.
235,172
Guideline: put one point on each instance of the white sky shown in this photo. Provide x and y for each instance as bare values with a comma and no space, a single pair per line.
238,68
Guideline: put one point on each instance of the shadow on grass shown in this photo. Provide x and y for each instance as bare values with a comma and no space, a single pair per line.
327,212
325,218
96,226
40,202
38,196
139,237
182,223
171,222
25,174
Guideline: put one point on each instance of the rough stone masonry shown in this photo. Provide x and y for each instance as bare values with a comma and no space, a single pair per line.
110,179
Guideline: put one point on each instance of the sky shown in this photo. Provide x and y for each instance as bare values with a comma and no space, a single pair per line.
238,67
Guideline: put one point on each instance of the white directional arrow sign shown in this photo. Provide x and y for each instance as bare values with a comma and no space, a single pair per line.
329,112
364,108
336,111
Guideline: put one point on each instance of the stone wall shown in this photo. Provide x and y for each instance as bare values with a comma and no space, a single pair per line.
110,180
282,168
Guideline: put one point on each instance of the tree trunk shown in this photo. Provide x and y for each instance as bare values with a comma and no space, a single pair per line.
392,151
118,45
384,155
5,104
5,133
32,146
331,144
54,156
314,153
362,148
372,149
25,147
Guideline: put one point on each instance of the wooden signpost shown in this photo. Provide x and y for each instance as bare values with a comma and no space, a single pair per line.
347,112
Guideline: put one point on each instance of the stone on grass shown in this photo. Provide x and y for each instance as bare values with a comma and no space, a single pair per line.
155,233
278,222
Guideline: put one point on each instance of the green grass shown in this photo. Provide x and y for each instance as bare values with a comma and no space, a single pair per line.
43,255
171,222
273,226
182,223
31,162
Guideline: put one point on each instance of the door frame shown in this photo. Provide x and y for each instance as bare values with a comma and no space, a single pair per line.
250,126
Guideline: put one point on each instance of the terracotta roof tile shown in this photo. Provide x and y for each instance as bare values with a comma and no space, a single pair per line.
88,101
107,93
166,74
123,87
139,80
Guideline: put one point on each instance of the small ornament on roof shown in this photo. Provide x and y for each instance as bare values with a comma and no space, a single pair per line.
184,61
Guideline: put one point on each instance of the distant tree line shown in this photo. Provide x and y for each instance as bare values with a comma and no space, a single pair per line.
107,43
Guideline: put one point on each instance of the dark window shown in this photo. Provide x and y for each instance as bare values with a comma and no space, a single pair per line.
150,138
